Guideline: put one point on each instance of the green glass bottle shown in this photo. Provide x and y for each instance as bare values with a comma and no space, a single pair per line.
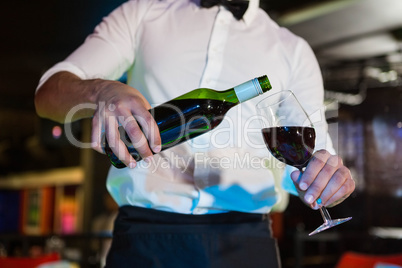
193,114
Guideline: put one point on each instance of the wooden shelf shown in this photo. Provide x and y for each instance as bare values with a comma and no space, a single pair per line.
54,177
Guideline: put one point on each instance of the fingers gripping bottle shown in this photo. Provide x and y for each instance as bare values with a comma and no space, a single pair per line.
193,114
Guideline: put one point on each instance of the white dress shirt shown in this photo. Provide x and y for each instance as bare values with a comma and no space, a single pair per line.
169,47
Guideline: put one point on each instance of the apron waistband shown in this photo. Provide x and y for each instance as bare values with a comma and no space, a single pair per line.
145,215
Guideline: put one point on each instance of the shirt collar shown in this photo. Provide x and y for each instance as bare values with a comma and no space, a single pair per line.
250,13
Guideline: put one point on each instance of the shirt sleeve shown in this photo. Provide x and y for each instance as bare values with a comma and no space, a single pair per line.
307,84
110,50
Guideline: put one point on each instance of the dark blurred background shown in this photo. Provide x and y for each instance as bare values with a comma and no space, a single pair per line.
358,44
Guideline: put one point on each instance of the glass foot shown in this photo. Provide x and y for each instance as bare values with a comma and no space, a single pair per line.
329,224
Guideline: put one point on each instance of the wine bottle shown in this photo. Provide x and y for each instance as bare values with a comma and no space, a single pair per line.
192,114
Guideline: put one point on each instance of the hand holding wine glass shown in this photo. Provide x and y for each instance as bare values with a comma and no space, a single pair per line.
290,136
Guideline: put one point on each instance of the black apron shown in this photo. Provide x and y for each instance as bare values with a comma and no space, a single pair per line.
148,238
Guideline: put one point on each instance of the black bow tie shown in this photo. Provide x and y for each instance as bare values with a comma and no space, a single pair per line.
237,7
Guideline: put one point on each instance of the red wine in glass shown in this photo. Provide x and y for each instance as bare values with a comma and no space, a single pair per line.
290,137
292,145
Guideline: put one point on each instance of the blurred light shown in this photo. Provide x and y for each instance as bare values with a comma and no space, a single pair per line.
345,98
394,57
380,75
398,193
399,129
56,132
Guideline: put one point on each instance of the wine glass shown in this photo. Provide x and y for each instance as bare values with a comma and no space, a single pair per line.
290,137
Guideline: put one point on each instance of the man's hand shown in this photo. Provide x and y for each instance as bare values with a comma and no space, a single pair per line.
119,104
325,177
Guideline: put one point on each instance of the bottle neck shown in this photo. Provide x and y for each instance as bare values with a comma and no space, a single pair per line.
229,95
240,93
249,89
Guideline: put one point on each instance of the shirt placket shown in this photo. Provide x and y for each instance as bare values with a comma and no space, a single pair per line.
209,79
216,47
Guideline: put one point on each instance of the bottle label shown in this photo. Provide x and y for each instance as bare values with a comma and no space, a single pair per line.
248,90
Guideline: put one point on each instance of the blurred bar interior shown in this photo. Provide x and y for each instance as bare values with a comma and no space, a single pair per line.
50,190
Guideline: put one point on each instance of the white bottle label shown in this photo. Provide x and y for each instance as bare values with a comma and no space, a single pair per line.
248,90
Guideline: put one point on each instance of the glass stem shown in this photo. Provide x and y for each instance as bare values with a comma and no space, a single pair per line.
325,215
324,212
